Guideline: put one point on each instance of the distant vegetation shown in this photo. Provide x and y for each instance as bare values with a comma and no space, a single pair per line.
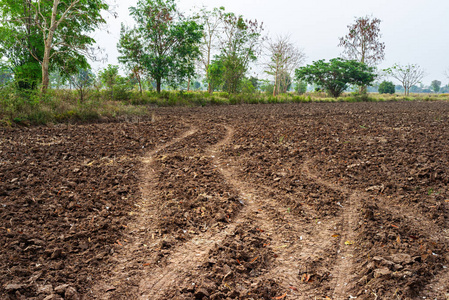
173,58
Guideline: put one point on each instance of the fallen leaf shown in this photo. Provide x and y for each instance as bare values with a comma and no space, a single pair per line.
254,259
280,297
146,264
335,235
293,288
349,243
327,298
118,242
394,226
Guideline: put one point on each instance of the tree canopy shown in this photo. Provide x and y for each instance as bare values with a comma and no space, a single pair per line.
362,43
336,75
164,42
51,32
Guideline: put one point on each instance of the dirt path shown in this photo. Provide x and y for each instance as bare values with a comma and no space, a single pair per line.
128,261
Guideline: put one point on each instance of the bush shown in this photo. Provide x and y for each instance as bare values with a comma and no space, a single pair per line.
387,87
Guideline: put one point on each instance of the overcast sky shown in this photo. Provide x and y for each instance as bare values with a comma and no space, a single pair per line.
414,31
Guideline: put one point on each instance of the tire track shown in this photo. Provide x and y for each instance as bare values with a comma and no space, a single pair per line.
191,254
441,280
342,275
126,258
293,245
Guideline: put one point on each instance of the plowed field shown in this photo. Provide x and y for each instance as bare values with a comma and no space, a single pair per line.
301,201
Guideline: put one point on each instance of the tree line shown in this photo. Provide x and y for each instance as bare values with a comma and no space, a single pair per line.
50,41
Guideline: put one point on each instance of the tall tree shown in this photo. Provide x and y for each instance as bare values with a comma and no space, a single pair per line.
407,75
63,26
240,43
164,42
285,57
212,22
362,43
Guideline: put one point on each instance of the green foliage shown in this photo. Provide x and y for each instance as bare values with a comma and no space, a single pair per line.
240,46
35,41
336,75
248,87
82,81
301,87
109,78
215,74
387,87
164,43
435,85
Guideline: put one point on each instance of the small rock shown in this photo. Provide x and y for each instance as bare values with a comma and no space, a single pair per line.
71,294
45,289
401,258
12,287
60,289
56,254
384,272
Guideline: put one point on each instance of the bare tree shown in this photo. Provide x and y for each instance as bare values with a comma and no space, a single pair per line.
211,20
284,58
407,75
362,42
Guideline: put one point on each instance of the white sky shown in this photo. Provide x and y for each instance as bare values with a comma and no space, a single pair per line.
414,31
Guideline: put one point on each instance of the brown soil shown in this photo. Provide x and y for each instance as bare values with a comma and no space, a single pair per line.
309,201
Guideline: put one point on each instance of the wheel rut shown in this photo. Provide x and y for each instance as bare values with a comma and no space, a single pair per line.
130,257
351,217
191,254
342,275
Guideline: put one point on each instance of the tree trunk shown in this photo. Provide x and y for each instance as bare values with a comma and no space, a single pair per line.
188,85
140,86
209,89
45,67
158,85
47,44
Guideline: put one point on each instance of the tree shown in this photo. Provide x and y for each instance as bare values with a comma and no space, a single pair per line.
435,85
211,22
386,87
240,44
284,59
82,81
407,75
301,87
164,42
132,54
63,25
109,77
336,75
362,42
215,74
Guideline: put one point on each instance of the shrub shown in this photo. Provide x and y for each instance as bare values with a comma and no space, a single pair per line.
387,87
